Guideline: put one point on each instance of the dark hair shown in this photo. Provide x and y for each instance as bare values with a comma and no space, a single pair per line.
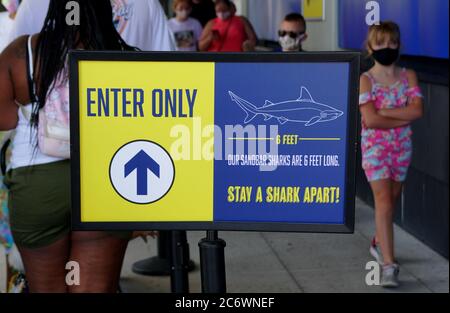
95,32
228,3
177,2
296,17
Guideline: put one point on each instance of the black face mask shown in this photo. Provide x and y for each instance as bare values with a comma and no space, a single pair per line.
386,56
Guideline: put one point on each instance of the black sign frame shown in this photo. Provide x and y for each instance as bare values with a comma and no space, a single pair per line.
352,58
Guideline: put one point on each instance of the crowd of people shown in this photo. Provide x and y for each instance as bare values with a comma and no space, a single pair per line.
197,25
33,73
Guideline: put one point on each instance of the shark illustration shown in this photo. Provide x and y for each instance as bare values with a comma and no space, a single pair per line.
303,110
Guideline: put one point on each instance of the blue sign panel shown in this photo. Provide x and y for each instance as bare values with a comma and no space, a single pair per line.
307,104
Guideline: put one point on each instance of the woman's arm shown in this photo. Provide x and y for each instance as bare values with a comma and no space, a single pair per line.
370,115
414,108
8,107
206,37
250,43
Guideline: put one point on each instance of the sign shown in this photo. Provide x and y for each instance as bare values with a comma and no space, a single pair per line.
313,10
214,141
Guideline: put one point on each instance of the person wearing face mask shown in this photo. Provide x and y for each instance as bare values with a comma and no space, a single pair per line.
390,100
187,30
292,33
227,32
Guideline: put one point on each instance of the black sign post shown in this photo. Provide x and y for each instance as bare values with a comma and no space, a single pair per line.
172,259
158,265
179,262
212,263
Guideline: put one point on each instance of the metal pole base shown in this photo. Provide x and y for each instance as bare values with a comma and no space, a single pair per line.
159,265
154,266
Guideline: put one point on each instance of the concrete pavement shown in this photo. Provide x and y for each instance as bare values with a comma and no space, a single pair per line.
294,263
286,262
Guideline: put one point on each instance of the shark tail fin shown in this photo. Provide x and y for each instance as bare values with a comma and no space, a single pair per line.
250,117
250,109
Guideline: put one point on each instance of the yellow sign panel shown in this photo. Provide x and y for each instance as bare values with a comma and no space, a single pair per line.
121,102
313,9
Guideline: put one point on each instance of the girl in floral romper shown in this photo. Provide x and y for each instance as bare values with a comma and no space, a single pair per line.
390,99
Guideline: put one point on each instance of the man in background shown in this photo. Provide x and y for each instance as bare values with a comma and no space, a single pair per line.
292,33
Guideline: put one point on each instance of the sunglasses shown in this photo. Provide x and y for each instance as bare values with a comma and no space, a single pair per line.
291,34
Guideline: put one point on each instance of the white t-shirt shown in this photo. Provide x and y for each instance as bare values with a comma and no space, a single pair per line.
5,28
29,18
186,33
141,23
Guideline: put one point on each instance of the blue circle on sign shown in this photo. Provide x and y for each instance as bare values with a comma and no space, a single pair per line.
142,172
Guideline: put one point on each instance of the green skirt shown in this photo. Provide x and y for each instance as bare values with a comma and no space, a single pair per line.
39,204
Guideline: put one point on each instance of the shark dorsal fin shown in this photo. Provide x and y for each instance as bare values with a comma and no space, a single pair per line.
305,95
268,103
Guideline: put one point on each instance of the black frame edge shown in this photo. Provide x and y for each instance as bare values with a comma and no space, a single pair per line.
352,58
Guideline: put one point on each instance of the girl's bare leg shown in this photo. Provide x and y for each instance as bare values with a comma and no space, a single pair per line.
384,214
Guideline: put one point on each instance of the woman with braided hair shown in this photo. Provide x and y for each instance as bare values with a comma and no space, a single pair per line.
39,184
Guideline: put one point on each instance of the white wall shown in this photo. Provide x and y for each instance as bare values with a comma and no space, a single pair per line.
323,35
266,15
242,7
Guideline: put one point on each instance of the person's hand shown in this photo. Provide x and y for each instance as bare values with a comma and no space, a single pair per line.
248,46
215,35
145,234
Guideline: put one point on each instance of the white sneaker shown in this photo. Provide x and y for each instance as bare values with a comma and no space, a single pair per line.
375,251
389,276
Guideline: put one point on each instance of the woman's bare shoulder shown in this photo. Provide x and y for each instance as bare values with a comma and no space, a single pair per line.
15,51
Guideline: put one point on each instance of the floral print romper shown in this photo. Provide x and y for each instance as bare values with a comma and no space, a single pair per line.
386,153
